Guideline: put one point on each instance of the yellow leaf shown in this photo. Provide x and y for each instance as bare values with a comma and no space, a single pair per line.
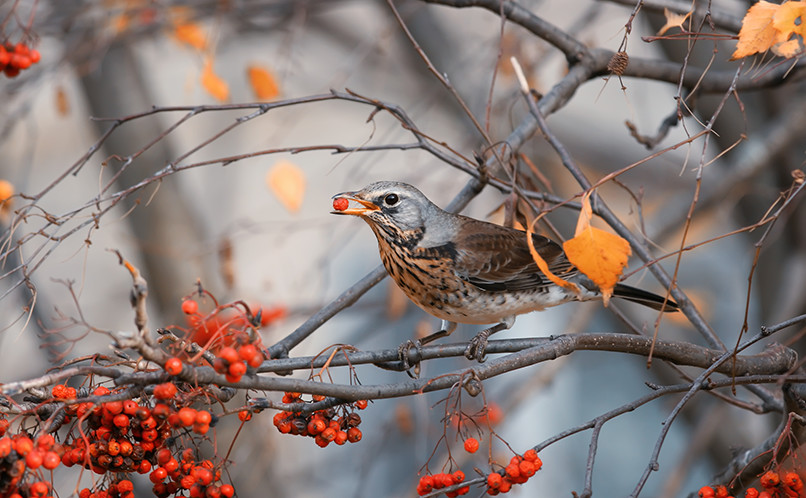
788,49
673,20
211,82
786,18
287,181
758,33
263,83
600,255
544,267
191,34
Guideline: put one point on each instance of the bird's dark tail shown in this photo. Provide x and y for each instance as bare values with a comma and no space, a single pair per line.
649,299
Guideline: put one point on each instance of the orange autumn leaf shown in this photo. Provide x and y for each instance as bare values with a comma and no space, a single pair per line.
544,267
769,26
263,83
287,182
211,82
600,255
191,34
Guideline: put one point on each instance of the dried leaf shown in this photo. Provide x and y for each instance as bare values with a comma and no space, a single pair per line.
788,49
544,267
211,82
758,34
789,19
600,255
287,181
263,83
62,102
191,34
673,20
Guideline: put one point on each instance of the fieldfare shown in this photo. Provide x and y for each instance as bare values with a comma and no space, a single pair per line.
464,270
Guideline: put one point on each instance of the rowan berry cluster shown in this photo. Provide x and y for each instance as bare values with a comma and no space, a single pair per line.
115,438
233,362
773,485
519,470
325,426
17,57
19,454
431,482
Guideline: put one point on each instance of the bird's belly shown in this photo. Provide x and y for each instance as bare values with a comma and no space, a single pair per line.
440,292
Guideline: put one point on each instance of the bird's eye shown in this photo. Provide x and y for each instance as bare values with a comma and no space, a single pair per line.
391,199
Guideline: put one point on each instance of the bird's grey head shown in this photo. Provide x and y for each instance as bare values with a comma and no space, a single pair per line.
393,204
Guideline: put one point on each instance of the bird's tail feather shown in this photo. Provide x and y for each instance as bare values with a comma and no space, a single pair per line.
640,296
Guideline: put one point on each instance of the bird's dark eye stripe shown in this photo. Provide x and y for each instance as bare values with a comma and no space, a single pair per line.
390,199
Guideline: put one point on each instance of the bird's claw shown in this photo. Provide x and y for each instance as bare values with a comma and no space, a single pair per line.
403,354
478,345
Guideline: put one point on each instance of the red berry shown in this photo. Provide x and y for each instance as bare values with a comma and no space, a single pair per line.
494,480
121,420
190,307
706,492
173,366
237,369
34,458
229,354
51,460
245,415
770,479
340,203
227,490
471,445
354,434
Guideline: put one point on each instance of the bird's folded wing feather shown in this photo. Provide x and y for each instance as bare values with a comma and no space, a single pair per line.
497,258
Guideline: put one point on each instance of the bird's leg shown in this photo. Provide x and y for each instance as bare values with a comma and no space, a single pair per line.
475,350
403,350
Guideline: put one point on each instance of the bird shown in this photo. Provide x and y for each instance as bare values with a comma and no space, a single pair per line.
464,270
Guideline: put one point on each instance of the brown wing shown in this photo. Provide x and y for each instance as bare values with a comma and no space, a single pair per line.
497,258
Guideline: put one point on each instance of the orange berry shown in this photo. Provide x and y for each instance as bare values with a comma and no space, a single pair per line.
34,458
201,428
354,434
190,307
229,354
792,479
227,490
23,445
770,479
530,455
341,438
463,490
361,404
38,489
527,468
51,460
494,480
751,493
329,434
203,417
706,492
237,369
165,391
316,426
721,492
245,415
458,476
187,416
471,445
130,407
513,471
45,441
173,366
121,420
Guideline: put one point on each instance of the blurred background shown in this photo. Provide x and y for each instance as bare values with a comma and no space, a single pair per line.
259,229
